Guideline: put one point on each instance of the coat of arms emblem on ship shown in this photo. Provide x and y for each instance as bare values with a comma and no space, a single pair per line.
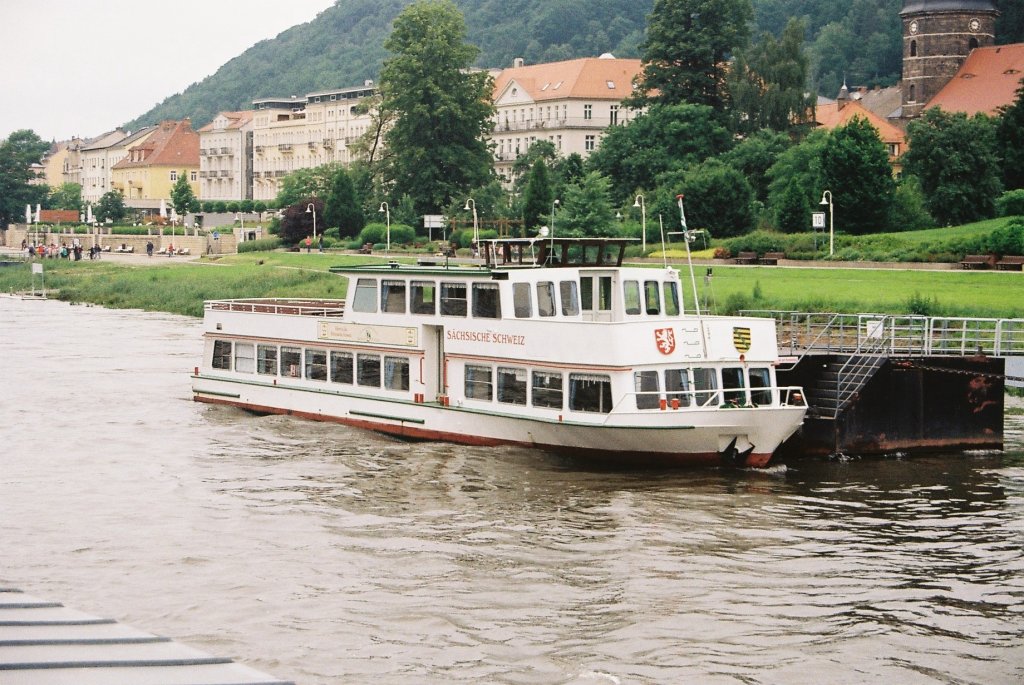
741,339
665,339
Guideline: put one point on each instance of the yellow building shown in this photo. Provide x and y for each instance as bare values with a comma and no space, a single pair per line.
151,168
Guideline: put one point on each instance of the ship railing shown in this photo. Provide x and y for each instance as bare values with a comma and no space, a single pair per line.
279,306
643,401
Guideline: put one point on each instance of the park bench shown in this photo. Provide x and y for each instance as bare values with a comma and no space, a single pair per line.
772,258
125,248
746,258
976,261
367,248
1011,263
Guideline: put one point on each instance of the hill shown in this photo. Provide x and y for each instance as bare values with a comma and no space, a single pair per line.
343,46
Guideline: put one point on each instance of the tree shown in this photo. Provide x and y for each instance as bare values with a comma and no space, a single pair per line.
538,197
304,183
342,208
687,49
793,213
182,197
798,167
18,153
755,155
442,108
297,222
66,196
955,158
111,206
521,168
586,209
855,167
717,198
1010,137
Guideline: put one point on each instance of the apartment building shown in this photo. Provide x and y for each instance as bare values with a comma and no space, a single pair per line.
225,157
151,167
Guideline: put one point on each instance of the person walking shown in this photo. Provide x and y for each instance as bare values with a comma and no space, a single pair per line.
149,249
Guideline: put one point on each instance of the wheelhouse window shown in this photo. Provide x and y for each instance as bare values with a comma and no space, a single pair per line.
396,373
316,365
546,298
521,301
760,381
677,386
486,304
511,385
453,299
570,298
424,297
245,357
392,296
590,393
266,360
705,385
365,299
671,293
291,362
652,301
341,367
368,370
478,382
734,384
547,389
222,354
646,385
631,297
596,297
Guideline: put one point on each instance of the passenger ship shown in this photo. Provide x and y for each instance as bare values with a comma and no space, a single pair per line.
549,343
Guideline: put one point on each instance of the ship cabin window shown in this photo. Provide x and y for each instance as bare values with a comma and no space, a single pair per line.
705,385
511,385
677,386
368,370
671,293
478,382
734,384
222,354
341,367
599,299
521,301
365,299
396,373
652,302
486,303
546,298
453,299
647,392
245,357
631,297
424,297
291,362
760,381
392,296
547,389
570,298
316,365
589,392
266,359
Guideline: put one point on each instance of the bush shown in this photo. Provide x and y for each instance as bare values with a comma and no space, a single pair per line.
1008,240
1011,203
262,245
246,206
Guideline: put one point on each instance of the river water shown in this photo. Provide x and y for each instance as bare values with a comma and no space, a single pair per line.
324,554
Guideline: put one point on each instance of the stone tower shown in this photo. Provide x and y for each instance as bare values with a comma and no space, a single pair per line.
937,37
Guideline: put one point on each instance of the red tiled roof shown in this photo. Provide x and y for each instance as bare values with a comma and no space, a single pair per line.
587,78
988,80
235,120
830,116
173,144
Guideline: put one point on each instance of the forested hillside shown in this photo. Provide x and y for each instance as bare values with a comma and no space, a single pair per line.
343,46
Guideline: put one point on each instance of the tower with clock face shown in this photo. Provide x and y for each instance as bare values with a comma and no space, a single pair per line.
937,37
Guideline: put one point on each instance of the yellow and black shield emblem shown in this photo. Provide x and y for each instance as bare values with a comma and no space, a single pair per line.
741,339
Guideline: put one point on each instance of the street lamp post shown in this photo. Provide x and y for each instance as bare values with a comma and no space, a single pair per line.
639,202
310,209
826,199
471,204
554,204
387,216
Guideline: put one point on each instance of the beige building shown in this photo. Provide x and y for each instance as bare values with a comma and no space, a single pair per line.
225,157
100,155
151,167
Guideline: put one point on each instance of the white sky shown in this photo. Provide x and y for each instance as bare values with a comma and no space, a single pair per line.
83,67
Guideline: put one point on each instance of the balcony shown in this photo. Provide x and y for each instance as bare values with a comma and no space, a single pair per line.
328,143
225,151
225,173
285,147
258,149
280,173
202,174
202,152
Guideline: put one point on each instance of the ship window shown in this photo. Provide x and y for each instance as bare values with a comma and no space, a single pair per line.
570,298
671,299
760,378
587,293
546,299
222,354
588,392
486,304
266,359
631,295
396,373
521,301
511,385
366,295
478,382
733,383
651,300
291,362
604,302
245,357
646,385
705,383
424,297
341,367
453,299
368,370
677,386
547,389
316,365
392,296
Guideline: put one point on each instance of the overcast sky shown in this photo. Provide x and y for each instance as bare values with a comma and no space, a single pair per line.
83,67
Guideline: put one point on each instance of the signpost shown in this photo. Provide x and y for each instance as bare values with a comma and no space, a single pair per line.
817,221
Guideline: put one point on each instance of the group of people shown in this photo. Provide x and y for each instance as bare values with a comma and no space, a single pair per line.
43,251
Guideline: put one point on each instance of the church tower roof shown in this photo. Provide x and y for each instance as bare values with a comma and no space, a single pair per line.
928,6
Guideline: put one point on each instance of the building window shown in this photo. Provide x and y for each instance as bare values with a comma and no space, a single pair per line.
911,97
174,175
588,111
194,176
613,115
589,143
913,48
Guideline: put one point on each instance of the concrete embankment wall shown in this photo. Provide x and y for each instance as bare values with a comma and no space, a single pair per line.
196,242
